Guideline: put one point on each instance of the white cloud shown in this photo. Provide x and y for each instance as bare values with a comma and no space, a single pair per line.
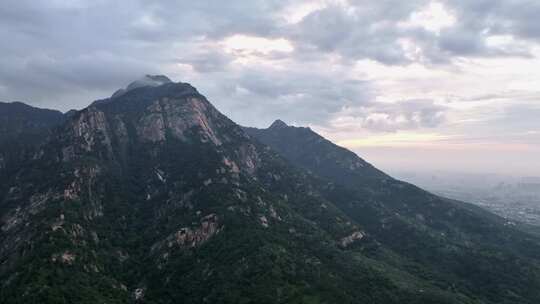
434,17
243,44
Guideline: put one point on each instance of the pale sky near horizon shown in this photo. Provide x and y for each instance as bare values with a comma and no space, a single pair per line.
418,84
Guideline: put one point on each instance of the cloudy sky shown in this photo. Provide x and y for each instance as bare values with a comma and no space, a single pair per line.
409,85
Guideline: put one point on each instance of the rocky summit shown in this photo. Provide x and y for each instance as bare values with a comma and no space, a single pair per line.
154,196
146,81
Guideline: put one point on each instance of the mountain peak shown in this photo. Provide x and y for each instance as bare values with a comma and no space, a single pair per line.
161,78
149,81
145,81
207,199
278,123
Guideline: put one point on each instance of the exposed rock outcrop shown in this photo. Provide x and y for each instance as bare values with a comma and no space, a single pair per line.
188,237
348,240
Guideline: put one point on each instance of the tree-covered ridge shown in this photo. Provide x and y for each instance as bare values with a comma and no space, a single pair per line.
416,225
153,196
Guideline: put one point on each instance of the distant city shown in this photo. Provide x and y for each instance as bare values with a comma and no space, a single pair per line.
514,198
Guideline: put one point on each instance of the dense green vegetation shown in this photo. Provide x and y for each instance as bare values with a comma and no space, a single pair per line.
118,208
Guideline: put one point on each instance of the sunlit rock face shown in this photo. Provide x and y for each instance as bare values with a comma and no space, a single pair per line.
348,240
192,237
92,127
177,117
154,111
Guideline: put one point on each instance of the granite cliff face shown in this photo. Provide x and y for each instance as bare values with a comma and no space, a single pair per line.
154,196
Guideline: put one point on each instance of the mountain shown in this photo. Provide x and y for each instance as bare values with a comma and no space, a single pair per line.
154,196
21,127
308,150
146,81
18,119
458,242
